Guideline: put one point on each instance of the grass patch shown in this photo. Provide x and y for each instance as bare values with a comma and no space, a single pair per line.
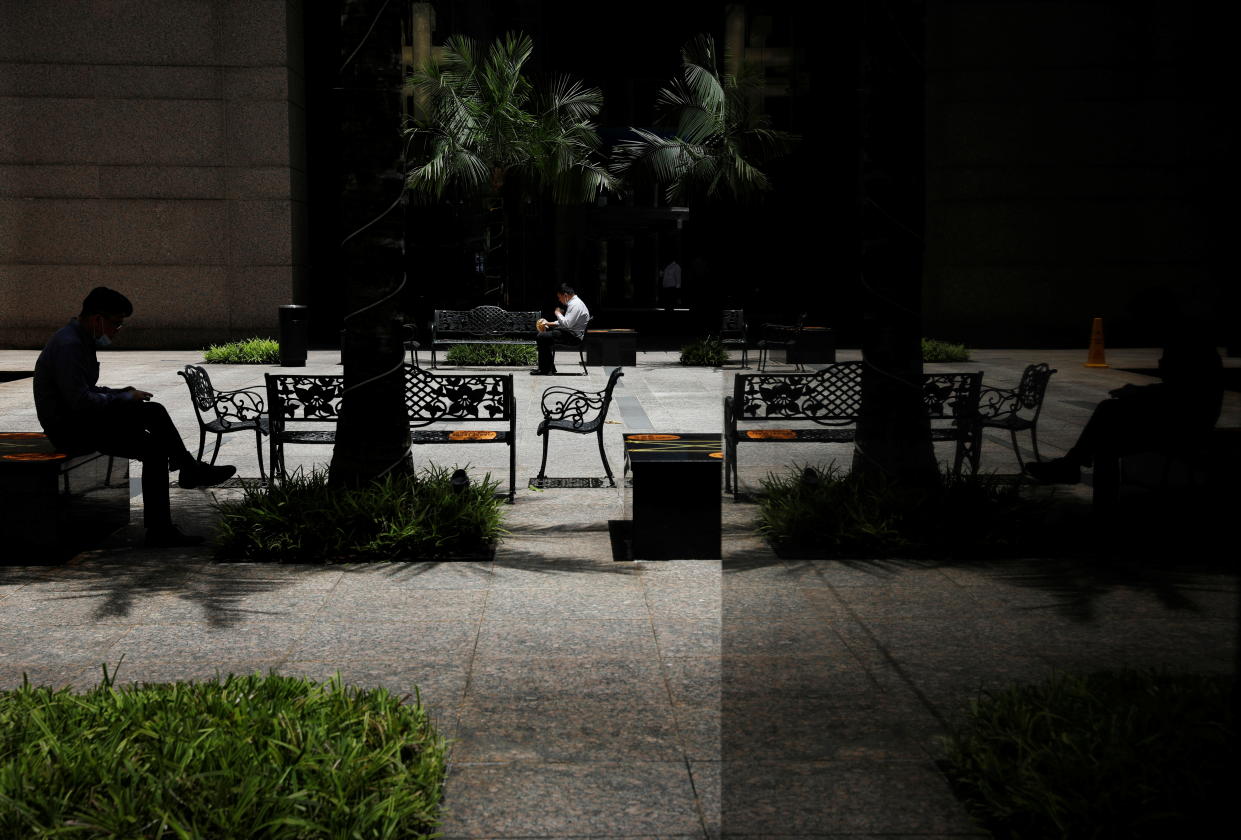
252,756
498,355
934,350
417,516
251,351
706,352
829,512
1112,754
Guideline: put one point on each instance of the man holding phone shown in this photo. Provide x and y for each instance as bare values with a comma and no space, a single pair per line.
79,415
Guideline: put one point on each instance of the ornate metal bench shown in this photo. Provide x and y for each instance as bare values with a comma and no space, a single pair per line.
1017,409
221,412
481,325
832,400
488,325
303,407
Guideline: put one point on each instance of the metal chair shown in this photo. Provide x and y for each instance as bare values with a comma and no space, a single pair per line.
776,336
732,332
579,412
229,411
1017,409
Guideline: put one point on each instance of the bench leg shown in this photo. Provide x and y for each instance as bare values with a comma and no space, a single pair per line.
215,453
512,471
543,466
604,455
202,443
258,445
1021,467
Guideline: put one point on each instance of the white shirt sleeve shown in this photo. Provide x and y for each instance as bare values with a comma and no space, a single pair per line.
575,317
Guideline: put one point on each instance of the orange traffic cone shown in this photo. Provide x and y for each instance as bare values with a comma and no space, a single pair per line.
1095,358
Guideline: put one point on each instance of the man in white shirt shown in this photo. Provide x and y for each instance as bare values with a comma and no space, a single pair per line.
569,329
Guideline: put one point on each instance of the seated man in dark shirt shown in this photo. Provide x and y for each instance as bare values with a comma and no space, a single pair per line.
78,415
1169,416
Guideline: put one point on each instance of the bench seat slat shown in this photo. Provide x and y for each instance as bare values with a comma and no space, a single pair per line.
825,435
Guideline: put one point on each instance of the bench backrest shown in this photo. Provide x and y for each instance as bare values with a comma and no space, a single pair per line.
304,398
484,321
431,397
833,396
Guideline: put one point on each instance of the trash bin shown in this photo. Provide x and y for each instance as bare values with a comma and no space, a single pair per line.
294,328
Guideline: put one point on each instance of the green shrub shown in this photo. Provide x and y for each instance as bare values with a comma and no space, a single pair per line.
943,351
252,756
251,351
708,352
1112,754
833,513
500,355
411,516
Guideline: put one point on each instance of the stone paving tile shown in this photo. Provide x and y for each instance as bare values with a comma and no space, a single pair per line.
836,797
512,604
660,572
559,638
403,641
249,641
600,678
58,646
364,578
579,799
406,605
207,669
574,730
866,726
51,676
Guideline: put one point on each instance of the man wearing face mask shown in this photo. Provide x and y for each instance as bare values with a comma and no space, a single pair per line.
78,415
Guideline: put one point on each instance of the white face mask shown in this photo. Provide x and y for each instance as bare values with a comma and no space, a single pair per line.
102,341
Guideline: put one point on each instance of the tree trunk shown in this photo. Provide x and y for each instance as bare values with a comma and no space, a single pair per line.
372,433
894,438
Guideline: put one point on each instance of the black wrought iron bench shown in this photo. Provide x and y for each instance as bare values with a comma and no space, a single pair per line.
488,325
831,400
304,410
481,325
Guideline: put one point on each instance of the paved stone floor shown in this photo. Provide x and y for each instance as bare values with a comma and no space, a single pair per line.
745,697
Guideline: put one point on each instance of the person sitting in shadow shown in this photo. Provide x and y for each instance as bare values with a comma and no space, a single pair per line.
1167,416
80,416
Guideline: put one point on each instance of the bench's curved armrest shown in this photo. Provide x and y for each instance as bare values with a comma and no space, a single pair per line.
240,405
994,403
560,403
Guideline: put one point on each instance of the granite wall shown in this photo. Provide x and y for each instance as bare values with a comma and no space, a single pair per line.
156,147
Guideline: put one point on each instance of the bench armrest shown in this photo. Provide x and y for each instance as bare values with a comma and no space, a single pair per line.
240,405
998,402
560,403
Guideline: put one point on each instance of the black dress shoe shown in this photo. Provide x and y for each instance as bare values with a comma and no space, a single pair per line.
199,474
171,537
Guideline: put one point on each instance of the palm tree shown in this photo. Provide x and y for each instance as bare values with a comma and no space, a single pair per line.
372,433
893,437
719,140
483,124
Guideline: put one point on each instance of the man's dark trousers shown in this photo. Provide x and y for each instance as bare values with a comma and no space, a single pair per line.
546,342
142,431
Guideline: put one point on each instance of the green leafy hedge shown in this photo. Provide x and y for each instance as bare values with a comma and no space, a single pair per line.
829,512
707,352
500,355
251,351
934,350
411,516
272,757
1127,753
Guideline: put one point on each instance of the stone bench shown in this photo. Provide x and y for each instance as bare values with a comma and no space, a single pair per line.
53,504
